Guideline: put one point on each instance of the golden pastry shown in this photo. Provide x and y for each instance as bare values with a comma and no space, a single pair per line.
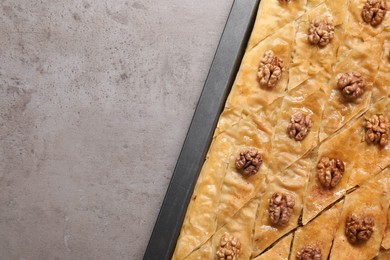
298,167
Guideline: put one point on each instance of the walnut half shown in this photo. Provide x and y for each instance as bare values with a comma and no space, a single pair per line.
299,126
352,85
359,230
270,70
377,130
309,252
249,161
374,11
229,247
280,208
330,171
321,32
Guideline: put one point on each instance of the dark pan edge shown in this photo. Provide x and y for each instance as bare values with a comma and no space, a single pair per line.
219,81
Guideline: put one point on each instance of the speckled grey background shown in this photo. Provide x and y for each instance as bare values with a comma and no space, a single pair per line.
96,97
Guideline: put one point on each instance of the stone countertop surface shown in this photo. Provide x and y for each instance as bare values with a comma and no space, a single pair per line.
96,99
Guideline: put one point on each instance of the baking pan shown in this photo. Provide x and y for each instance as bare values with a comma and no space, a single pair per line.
219,81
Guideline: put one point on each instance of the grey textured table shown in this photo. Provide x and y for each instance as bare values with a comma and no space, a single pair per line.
95,101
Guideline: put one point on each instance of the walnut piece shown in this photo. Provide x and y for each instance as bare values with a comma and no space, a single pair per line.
270,70
374,11
330,171
249,161
358,230
377,130
352,85
229,247
309,252
280,208
299,126
321,32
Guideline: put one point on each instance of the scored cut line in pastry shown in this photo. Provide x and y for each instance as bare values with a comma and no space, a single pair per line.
238,229
324,226
367,205
273,15
311,60
356,57
280,251
247,91
362,162
291,184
